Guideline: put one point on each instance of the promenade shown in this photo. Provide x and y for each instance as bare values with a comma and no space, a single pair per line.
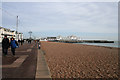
24,64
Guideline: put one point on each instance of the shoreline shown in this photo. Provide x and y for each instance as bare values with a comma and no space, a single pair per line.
89,45
101,46
80,61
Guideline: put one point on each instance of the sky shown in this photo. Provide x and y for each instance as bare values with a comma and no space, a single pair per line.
87,20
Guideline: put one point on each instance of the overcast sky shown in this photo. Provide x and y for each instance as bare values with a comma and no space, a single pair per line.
88,20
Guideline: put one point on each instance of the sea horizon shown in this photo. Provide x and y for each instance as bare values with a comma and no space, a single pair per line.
115,44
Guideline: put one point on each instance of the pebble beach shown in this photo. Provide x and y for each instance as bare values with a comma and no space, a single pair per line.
67,60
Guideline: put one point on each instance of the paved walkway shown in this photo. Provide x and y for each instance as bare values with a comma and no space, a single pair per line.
42,68
28,63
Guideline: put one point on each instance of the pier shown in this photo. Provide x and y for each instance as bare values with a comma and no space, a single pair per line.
82,41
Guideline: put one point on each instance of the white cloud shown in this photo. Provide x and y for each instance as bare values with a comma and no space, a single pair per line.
74,17
60,0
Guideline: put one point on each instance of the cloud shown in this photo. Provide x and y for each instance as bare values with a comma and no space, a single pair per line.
79,17
60,0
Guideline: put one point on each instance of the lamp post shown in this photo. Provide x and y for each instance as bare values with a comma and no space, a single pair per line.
17,35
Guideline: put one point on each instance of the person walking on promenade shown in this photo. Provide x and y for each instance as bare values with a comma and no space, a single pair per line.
39,46
13,45
30,41
5,45
21,42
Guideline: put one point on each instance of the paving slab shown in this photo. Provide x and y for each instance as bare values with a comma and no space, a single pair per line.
17,62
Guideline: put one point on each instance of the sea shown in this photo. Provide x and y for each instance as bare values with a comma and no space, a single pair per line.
115,44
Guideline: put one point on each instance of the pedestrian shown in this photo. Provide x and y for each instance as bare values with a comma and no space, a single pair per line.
21,42
30,41
13,45
5,45
39,45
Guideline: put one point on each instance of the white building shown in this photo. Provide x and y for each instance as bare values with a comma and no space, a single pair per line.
43,39
72,37
9,33
59,37
19,36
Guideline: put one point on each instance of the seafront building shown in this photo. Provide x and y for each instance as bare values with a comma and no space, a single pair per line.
51,38
10,33
43,39
59,37
72,37
19,36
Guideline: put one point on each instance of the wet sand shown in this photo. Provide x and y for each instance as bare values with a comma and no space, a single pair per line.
67,60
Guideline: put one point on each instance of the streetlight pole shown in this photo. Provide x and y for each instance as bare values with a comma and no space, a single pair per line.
17,36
